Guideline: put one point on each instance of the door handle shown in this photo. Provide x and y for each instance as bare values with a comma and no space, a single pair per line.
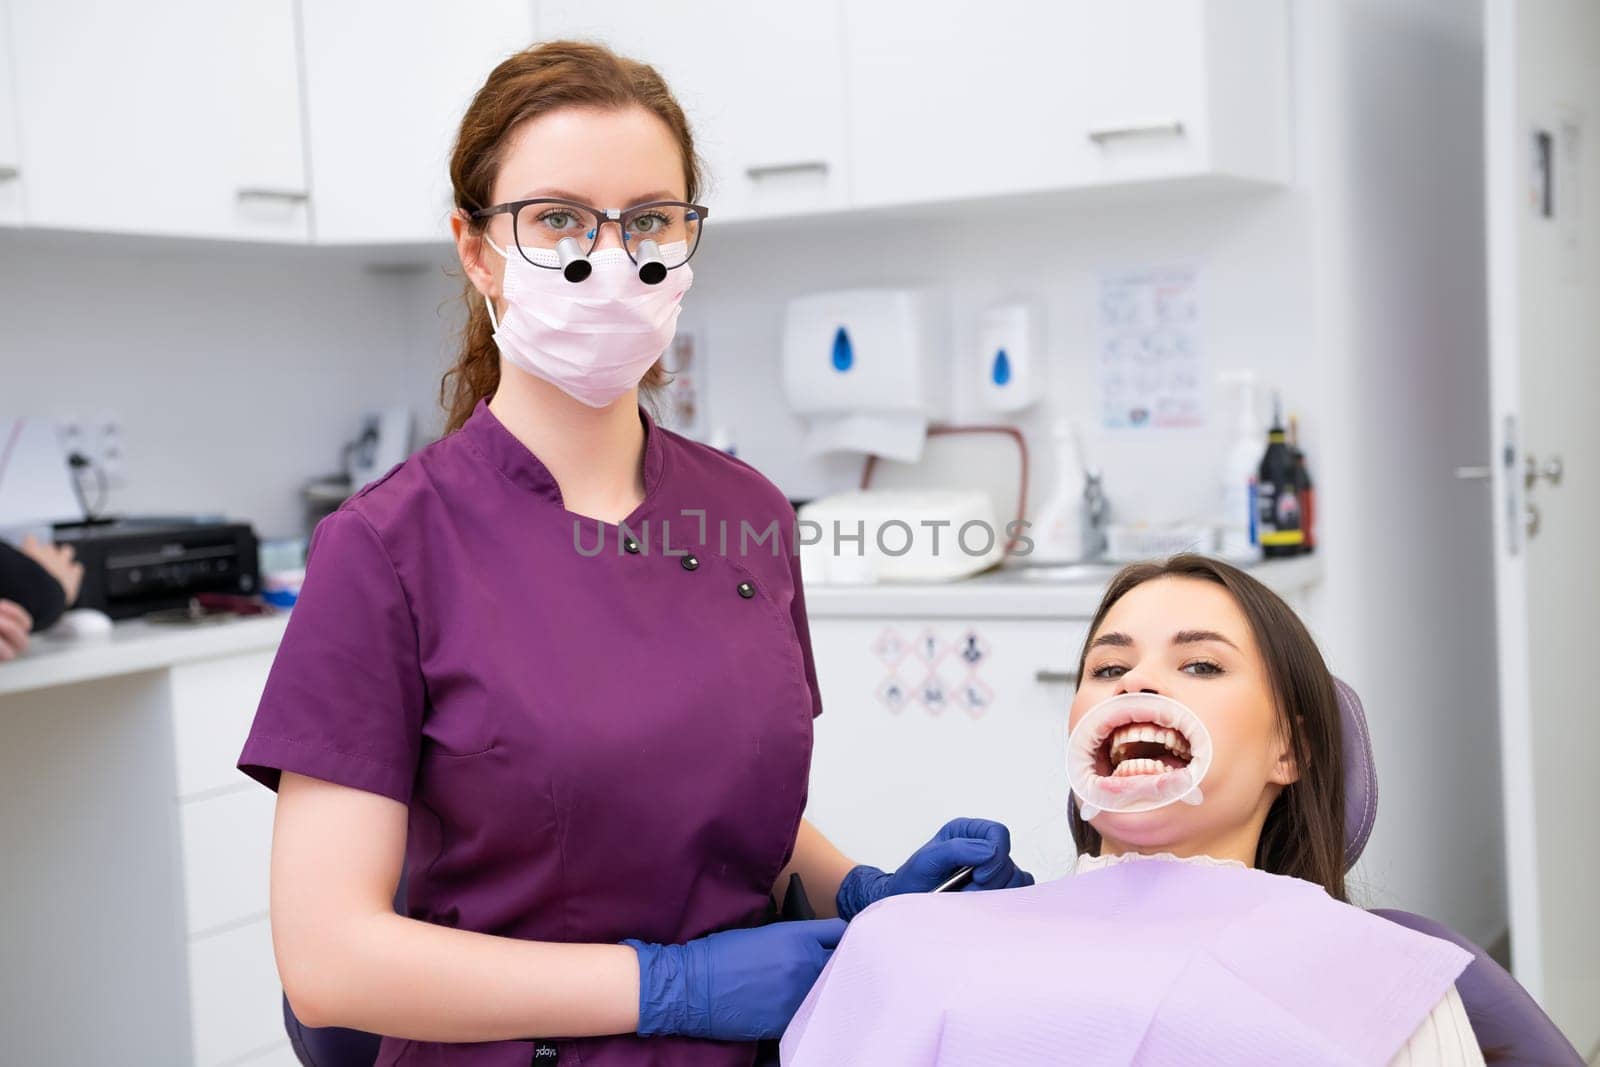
282,196
1531,521
1474,474
9,173
1102,134
1046,676
772,170
1551,470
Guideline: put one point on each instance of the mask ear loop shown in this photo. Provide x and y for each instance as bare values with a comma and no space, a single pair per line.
494,320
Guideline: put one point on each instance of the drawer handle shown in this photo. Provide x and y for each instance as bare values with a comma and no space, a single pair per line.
1045,676
1101,135
771,170
9,173
285,196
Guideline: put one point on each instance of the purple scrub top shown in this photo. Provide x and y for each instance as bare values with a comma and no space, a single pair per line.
600,731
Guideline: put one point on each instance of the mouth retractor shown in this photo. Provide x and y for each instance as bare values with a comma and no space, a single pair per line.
1089,769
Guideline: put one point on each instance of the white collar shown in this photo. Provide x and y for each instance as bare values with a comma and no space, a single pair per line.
1087,862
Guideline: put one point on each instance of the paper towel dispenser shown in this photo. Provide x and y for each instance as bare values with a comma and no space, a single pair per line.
862,367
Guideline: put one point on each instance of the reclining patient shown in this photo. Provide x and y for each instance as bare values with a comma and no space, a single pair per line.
1206,921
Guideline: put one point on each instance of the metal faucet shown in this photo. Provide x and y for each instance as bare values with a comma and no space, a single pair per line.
1096,514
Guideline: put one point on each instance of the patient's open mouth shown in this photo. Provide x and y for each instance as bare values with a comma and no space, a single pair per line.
1138,748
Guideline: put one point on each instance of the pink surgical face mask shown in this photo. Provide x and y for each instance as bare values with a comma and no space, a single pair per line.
593,339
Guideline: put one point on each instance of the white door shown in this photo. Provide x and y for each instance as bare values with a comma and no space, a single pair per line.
762,86
386,86
161,118
10,157
1542,99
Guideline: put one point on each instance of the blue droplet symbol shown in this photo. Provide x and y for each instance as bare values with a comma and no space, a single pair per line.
843,355
1001,371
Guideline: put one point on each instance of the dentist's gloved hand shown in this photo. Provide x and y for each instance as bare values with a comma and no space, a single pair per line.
961,843
738,985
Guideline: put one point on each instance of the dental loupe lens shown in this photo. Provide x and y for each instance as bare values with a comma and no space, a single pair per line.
652,268
575,266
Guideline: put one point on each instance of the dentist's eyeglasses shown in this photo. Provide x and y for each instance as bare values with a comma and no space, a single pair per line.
560,234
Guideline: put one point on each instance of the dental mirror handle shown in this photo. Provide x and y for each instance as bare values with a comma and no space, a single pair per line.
956,881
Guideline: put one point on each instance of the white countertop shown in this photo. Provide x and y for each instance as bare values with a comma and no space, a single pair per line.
135,645
1011,593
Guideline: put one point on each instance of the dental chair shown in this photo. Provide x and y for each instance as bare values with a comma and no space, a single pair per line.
1510,1027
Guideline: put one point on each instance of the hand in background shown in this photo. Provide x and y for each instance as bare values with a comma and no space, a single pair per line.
14,626
61,561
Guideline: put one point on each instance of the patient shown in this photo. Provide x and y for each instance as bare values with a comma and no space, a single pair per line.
1206,921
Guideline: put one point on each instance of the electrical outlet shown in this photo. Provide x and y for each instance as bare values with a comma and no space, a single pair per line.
105,443
70,433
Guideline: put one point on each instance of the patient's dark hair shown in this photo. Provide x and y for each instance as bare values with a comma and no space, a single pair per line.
1304,833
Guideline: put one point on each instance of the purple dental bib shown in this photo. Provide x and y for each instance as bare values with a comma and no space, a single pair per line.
1149,961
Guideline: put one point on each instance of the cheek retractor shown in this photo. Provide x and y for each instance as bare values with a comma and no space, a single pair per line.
1089,769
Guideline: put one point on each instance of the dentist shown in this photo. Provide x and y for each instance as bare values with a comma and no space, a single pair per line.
556,665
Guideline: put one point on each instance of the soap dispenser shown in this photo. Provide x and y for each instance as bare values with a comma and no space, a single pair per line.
1008,349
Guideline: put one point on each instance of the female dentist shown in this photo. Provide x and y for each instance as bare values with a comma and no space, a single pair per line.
557,663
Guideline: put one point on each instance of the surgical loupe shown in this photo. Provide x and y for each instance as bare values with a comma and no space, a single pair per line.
574,264
652,268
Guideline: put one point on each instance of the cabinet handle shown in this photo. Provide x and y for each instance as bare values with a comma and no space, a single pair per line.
9,173
288,196
1102,134
1045,676
769,170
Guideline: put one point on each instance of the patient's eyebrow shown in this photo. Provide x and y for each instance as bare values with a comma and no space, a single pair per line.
1195,637
1114,638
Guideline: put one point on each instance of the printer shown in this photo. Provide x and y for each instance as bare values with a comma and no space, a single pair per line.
134,566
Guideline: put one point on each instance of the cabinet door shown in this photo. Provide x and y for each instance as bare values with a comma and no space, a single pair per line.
1171,88
1032,97
10,157
925,721
386,86
961,98
762,85
161,118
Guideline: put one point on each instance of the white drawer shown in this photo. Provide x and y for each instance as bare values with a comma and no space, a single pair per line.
234,995
213,704
227,848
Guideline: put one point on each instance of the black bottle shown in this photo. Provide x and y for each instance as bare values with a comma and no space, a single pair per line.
1278,516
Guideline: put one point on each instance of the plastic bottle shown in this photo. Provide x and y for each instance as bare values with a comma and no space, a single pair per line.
1303,487
1057,532
1236,501
1278,522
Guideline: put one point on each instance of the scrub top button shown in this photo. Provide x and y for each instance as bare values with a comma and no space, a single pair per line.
747,590
691,563
630,546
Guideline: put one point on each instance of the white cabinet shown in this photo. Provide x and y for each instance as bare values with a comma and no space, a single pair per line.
10,156
132,119
1047,96
225,840
928,720
386,86
763,86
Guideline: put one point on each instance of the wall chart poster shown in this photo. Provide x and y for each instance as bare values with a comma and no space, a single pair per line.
1151,372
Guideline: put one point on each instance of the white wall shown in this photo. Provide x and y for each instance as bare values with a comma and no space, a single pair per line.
238,373
1391,148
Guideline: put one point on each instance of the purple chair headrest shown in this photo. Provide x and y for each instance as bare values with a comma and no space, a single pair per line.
1360,774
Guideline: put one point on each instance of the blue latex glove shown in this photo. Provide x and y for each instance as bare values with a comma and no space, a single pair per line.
961,843
739,985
